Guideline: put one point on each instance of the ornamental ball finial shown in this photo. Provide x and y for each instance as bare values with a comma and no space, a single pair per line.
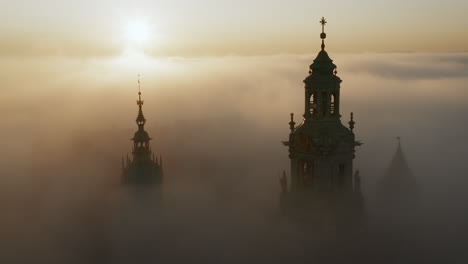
323,35
292,124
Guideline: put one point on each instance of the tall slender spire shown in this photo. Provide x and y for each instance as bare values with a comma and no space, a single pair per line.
143,168
139,88
140,118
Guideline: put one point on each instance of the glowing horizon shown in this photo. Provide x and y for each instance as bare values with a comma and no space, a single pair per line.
207,28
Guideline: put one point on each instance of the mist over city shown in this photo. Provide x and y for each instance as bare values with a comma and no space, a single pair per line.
162,132
219,135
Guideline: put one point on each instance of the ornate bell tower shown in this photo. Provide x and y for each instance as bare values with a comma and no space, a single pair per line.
321,148
143,167
323,193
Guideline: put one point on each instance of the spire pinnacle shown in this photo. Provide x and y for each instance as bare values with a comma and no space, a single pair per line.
351,122
140,118
139,102
323,35
292,123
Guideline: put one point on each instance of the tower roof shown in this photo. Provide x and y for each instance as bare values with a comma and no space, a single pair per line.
398,176
323,64
140,134
399,164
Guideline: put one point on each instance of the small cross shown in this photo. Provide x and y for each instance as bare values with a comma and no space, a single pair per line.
139,92
323,22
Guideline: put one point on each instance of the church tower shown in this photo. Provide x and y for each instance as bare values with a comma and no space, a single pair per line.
321,148
398,190
142,168
323,189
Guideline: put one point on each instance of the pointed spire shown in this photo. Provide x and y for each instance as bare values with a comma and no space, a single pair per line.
139,89
160,161
140,118
323,35
351,122
399,165
292,123
399,176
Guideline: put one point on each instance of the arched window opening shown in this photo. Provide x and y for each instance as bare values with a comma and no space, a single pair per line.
332,104
305,172
313,105
324,104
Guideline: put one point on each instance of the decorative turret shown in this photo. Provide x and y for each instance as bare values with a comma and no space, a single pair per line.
351,122
292,124
142,168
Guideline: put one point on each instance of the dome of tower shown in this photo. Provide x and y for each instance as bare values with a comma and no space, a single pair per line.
323,64
141,135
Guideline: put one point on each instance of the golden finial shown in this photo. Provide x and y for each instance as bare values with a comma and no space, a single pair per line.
323,35
292,124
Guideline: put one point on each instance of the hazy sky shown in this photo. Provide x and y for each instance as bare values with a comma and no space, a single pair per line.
219,79
209,27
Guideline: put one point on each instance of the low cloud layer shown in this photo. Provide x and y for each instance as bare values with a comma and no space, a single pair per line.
218,123
413,66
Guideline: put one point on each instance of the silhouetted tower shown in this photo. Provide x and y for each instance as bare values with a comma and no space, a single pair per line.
323,191
143,167
321,149
398,188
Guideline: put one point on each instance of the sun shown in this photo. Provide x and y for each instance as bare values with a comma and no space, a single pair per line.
138,33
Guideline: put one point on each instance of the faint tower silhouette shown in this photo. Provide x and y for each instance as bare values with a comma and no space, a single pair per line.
322,149
143,167
398,189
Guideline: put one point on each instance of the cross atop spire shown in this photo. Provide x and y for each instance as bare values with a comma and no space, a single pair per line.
323,35
323,22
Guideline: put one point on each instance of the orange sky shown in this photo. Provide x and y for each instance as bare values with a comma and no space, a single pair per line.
200,28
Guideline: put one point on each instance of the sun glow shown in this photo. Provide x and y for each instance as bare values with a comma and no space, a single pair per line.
138,33
140,39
